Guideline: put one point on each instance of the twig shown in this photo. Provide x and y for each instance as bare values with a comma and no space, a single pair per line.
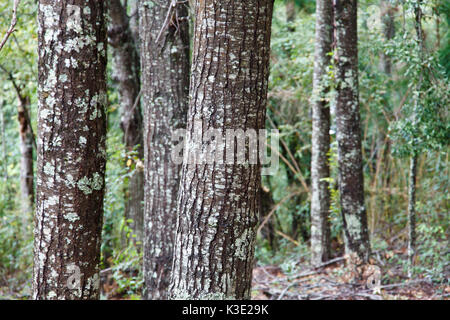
274,209
172,6
329,262
12,26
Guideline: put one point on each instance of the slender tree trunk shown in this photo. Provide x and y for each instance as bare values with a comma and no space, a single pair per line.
388,29
27,142
26,156
164,32
412,211
126,72
351,180
320,169
219,202
134,21
290,14
71,149
413,160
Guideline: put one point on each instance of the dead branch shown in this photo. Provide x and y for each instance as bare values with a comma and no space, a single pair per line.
12,26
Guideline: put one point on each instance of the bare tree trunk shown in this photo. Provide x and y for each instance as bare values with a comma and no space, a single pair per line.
290,14
351,179
413,160
320,169
71,149
164,32
126,72
27,142
412,212
134,21
26,156
219,201
388,29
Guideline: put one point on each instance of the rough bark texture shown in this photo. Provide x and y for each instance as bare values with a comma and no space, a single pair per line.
218,203
351,180
126,72
71,149
26,156
320,169
164,34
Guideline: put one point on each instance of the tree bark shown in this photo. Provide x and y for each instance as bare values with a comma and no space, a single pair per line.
219,201
71,149
320,169
413,160
164,31
412,212
126,72
26,156
351,179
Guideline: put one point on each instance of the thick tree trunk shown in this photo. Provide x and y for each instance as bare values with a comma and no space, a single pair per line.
351,180
320,170
71,149
164,31
26,156
219,202
126,72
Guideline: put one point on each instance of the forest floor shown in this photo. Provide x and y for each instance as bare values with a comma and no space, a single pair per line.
331,281
334,281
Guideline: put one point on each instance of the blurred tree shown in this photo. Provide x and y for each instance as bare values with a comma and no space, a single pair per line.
126,72
27,142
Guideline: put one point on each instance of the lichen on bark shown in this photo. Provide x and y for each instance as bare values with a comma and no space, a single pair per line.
320,170
351,180
164,32
218,203
71,161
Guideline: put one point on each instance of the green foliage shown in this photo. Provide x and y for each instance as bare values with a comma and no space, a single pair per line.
127,264
425,123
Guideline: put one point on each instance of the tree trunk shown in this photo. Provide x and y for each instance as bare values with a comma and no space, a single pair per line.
388,29
26,156
71,149
126,72
412,212
134,21
351,180
219,201
320,169
413,160
164,31
290,14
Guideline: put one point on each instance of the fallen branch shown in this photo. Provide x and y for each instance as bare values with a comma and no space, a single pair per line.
329,262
